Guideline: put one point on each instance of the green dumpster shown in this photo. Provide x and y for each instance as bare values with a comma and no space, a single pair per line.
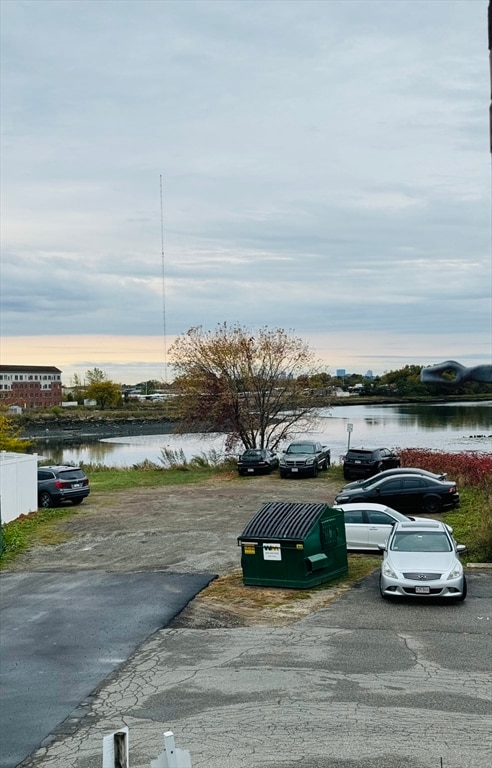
294,545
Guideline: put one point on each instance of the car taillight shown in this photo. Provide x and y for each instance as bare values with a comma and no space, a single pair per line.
60,484
452,489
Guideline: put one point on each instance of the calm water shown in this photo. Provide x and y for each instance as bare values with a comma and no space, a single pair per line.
452,428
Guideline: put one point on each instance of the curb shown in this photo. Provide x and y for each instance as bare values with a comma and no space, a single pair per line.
478,566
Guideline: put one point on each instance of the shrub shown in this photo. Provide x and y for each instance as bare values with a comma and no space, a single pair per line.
469,467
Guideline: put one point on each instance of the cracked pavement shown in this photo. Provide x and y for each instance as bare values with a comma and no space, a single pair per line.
360,683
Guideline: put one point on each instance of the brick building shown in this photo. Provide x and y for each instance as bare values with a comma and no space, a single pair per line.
30,386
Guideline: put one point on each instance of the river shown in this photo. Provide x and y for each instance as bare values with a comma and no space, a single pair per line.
446,427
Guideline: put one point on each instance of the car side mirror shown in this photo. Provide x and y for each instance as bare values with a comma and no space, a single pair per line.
461,547
382,547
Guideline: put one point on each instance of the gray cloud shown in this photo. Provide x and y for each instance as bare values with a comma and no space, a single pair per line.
324,164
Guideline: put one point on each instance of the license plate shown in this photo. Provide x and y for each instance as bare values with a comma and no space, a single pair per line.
76,485
250,470
358,461
294,469
422,590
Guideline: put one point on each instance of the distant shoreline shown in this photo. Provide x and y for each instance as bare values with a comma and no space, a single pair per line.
73,429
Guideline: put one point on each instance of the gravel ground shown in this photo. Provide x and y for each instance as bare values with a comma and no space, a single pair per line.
184,529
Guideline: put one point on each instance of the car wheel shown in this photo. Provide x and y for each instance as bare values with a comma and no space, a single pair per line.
432,505
283,474
45,501
315,470
76,502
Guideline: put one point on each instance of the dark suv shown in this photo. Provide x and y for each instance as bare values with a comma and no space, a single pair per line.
59,484
365,462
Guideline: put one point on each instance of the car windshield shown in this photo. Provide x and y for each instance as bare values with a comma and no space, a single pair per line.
301,448
420,541
253,454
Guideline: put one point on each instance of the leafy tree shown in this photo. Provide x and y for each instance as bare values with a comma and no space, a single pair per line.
78,388
10,439
249,386
106,393
95,376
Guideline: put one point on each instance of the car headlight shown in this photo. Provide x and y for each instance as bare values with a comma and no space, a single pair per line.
388,571
456,572
341,498
310,461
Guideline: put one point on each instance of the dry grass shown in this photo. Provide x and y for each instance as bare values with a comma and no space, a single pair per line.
276,606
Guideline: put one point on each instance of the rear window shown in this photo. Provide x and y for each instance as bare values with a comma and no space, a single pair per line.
71,474
358,454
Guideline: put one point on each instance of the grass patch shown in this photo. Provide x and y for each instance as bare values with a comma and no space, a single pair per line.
106,479
40,527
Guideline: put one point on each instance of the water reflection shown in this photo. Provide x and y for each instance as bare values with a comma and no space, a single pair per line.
453,428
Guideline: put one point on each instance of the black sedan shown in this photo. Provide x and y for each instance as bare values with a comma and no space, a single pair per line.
256,461
392,472
406,493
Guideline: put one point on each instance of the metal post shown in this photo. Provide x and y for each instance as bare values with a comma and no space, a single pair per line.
349,430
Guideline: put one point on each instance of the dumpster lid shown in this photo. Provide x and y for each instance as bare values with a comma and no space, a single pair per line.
283,520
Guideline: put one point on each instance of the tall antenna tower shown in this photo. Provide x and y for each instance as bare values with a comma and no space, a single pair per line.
163,276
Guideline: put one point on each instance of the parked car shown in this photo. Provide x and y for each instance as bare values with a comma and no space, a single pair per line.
406,493
421,559
364,462
304,457
59,484
257,460
367,526
397,471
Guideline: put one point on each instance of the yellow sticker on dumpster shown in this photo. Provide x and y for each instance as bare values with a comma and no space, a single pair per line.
248,550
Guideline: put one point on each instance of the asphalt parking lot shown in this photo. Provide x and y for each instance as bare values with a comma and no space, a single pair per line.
62,634
361,683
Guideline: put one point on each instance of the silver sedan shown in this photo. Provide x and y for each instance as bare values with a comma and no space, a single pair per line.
421,559
368,525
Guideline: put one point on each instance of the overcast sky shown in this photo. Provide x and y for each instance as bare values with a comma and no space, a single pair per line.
325,168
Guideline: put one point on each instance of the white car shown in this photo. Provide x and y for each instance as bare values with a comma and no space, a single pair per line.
421,559
367,525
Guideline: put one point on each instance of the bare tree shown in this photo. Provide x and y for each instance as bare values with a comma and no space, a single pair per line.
243,383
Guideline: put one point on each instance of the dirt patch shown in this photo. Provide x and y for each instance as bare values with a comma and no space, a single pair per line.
185,529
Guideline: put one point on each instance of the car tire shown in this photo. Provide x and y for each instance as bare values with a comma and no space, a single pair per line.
464,593
283,475
385,597
76,502
432,505
315,470
45,501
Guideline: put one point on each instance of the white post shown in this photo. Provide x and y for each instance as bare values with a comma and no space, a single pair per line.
172,757
116,749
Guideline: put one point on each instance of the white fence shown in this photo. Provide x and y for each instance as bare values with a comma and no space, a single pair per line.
18,485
